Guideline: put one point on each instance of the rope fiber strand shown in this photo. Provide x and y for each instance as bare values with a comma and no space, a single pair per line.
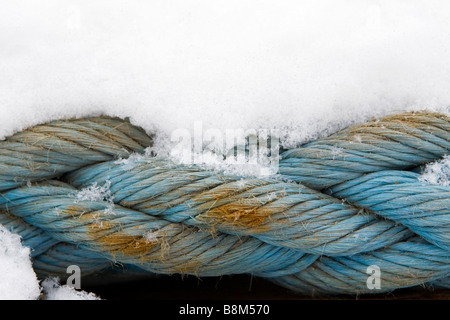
339,205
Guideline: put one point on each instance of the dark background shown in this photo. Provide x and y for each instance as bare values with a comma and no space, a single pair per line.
235,287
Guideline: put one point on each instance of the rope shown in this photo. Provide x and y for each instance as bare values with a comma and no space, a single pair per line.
338,206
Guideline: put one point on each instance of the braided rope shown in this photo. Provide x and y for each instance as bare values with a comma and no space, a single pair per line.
339,205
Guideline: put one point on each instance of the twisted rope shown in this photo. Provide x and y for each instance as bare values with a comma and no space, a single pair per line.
339,205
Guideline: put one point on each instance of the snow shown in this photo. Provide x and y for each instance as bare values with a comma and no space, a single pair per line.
306,69
54,291
437,172
17,278
96,193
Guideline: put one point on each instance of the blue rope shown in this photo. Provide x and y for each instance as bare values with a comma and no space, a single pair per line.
338,206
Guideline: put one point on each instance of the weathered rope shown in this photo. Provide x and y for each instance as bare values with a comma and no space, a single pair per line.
340,204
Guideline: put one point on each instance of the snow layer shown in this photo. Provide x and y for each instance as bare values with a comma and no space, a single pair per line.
308,66
18,280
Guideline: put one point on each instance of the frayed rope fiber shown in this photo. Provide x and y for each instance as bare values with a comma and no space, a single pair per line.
315,228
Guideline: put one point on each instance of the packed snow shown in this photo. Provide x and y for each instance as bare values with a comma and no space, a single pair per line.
304,68
17,278
308,68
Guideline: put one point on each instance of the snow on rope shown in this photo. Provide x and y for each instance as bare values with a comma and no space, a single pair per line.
316,227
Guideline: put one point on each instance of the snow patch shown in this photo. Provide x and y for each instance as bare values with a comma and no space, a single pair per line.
18,280
306,68
97,193
55,291
437,172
